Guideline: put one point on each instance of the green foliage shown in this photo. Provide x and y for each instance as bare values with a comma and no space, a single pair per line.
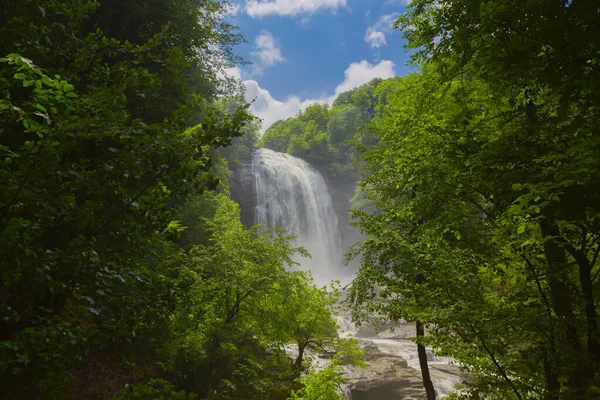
156,389
324,136
104,126
343,122
116,139
279,135
321,384
474,202
162,53
241,148
317,113
306,316
241,306
298,147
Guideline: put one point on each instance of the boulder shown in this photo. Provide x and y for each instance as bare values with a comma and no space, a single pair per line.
385,378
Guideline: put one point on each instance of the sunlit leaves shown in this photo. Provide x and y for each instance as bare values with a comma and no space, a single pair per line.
450,200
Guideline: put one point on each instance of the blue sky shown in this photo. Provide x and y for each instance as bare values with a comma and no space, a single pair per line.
308,51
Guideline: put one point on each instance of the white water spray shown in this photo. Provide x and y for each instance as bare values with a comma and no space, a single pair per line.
294,196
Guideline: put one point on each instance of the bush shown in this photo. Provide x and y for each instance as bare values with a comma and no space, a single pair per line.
155,389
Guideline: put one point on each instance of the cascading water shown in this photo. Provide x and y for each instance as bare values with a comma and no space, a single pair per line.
294,196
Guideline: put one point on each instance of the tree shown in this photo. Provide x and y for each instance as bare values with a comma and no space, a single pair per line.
243,304
317,113
102,127
325,136
325,382
321,383
222,327
523,45
539,60
344,98
278,136
308,317
344,122
463,207
298,147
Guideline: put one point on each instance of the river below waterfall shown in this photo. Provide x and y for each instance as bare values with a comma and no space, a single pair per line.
292,195
393,370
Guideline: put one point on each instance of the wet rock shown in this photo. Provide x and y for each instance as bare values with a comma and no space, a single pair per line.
399,331
370,350
243,192
366,331
389,391
393,370
385,377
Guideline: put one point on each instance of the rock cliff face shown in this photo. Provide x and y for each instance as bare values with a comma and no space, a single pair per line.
243,191
342,191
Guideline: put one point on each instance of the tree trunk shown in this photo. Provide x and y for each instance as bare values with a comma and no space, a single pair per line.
299,359
423,363
579,370
587,289
552,382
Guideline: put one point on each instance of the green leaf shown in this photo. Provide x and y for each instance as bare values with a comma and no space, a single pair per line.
41,108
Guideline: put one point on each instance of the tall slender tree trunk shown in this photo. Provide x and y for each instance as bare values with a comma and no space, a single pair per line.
422,352
579,369
423,363
587,290
552,382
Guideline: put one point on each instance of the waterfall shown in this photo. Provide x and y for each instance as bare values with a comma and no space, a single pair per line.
348,394
294,196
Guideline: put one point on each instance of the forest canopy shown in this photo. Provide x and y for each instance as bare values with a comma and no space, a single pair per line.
480,199
125,270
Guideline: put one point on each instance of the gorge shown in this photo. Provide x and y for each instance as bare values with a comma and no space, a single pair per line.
280,190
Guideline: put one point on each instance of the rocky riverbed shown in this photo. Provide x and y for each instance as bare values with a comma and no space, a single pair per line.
392,371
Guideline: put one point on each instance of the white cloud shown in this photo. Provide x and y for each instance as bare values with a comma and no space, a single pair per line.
359,73
234,72
375,35
261,8
232,9
375,38
270,110
404,3
268,51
